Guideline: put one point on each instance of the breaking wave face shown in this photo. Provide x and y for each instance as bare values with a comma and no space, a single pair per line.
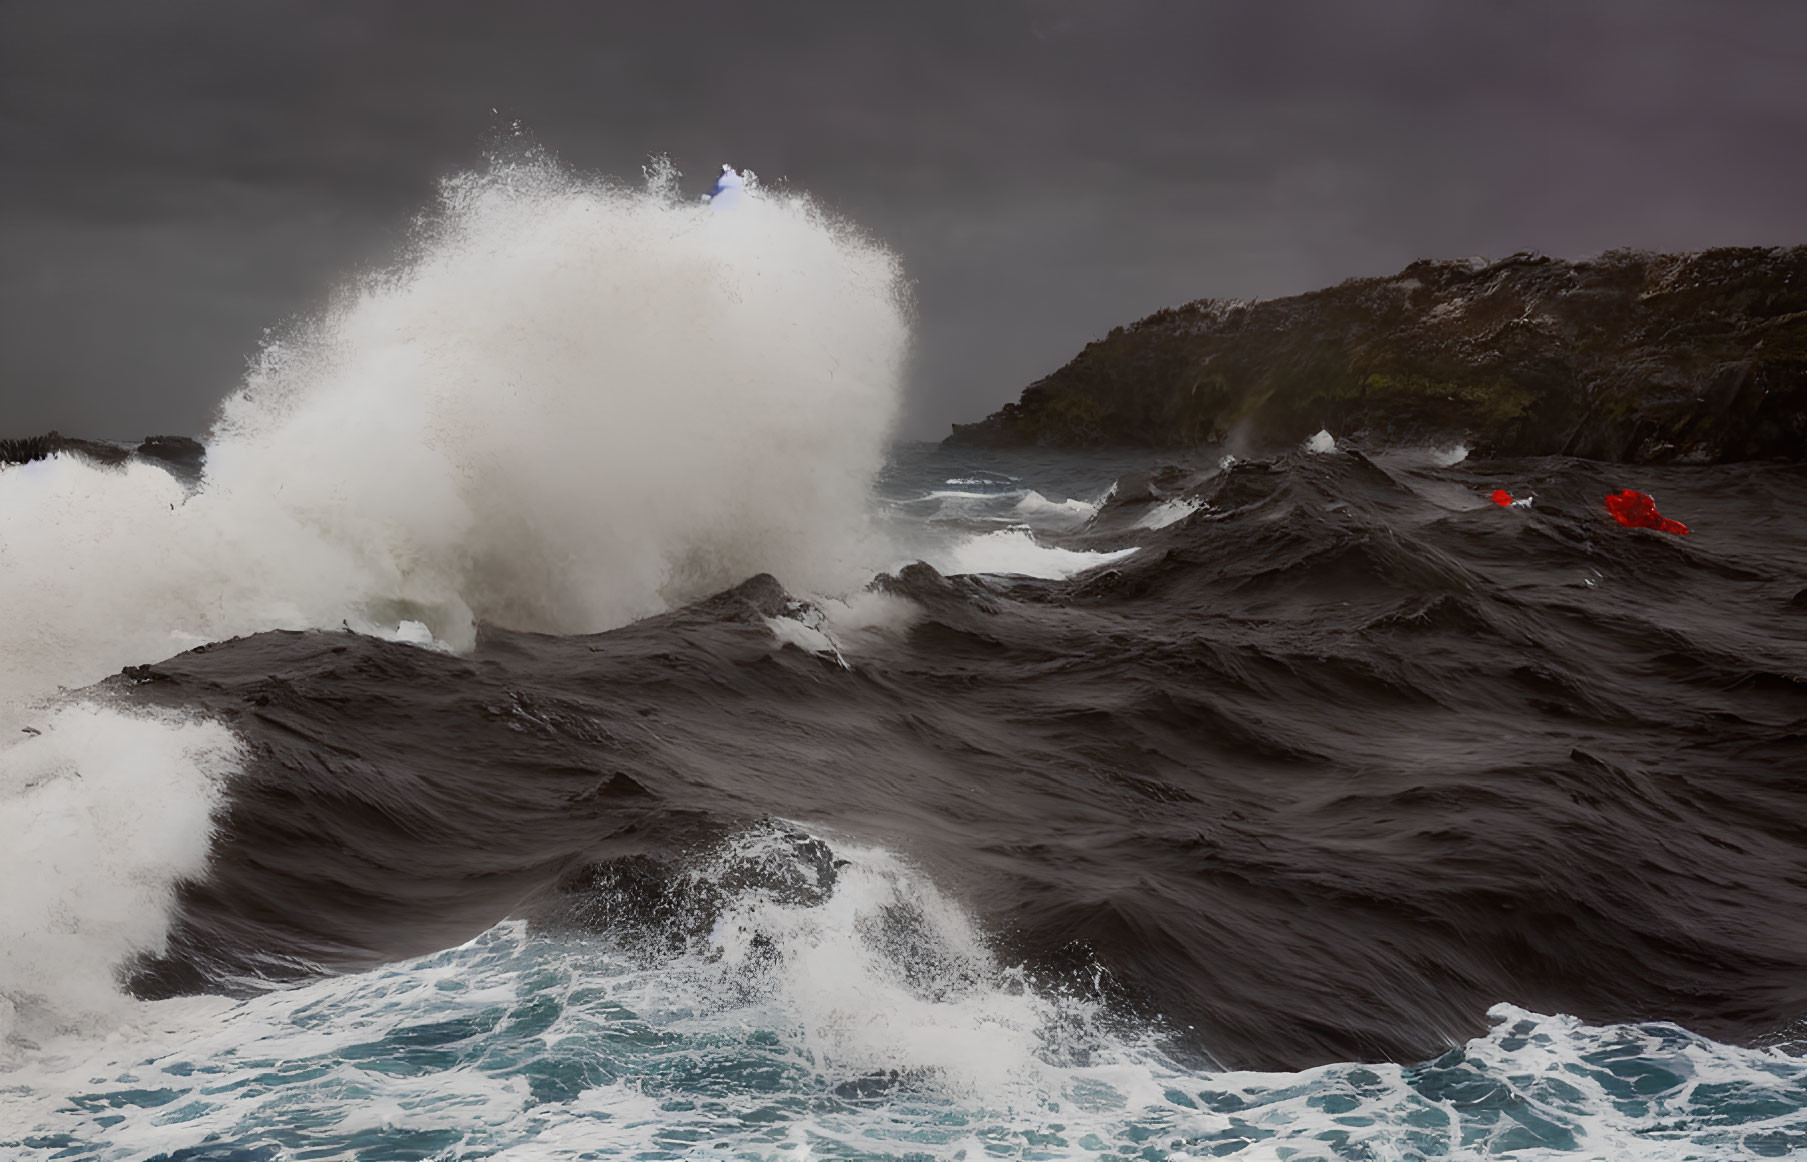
570,405
103,812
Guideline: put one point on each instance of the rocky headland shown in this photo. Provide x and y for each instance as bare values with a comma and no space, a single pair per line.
1630,356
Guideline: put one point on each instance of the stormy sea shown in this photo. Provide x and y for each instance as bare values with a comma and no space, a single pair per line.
552,718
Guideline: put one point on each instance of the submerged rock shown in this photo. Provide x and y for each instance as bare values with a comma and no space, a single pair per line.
1629,356
182,456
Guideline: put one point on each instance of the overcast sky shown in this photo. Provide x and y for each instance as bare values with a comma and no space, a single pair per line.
176,176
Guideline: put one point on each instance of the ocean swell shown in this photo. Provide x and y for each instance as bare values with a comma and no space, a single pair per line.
1321,772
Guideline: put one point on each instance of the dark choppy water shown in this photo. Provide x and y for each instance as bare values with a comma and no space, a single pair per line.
1256,811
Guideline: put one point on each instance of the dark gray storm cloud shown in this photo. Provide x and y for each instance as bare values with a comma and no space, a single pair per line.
176,177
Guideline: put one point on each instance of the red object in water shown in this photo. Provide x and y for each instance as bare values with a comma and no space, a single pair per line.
1637,510
1501,497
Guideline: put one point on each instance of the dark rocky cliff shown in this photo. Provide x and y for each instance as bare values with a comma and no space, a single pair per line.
1628,356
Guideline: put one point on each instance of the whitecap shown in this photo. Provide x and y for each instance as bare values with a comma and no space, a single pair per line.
1015,550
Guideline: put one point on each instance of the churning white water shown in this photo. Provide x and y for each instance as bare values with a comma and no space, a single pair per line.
873,1024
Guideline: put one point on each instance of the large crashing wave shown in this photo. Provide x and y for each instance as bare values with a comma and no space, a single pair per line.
570,405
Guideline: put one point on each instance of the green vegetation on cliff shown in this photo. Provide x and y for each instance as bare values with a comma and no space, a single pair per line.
1628,356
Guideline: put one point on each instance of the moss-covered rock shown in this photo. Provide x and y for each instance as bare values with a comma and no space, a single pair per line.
1628,356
